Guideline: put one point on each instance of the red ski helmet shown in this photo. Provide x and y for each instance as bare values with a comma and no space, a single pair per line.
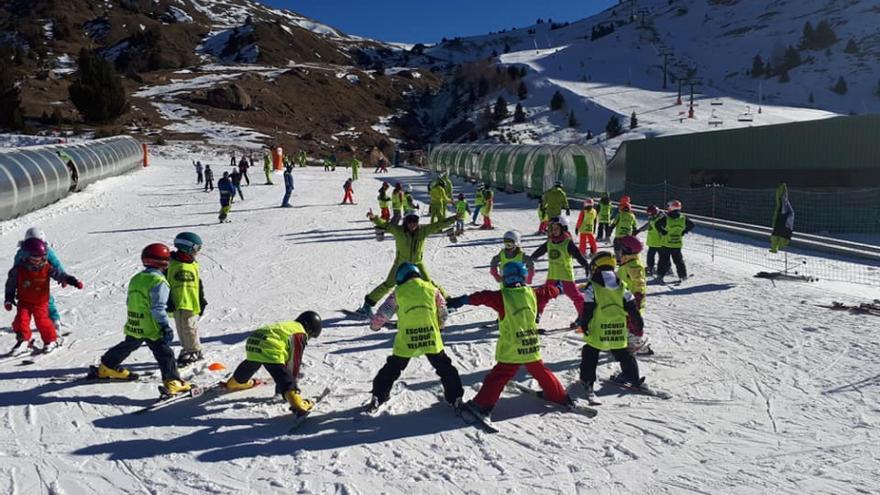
630,245
35,247
156,255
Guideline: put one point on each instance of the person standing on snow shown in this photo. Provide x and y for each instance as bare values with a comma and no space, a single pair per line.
624,224
672,229
478,203
398,200
349,192
421,312
604,217
243,166
267,169
542,217
461,212
586,226
227,192
279,347
52,258
555,200
604,316
384,202
187,302
355,167
518,342
235,177
654,240
488,206
631,272
439,200
511,253
561,250
410,203
199,177
209,178
409,242
147,323
288,186
27,288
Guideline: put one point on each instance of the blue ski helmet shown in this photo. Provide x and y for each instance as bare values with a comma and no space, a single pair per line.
514,272
188,242
405,272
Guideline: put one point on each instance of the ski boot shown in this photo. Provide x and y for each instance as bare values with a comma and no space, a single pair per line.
19,343
477,411
366,310
174,387
234,385
188,358
623,380
298,403
108,373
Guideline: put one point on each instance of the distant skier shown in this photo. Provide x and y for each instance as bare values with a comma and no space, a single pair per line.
561,251
243,167
478,204
603,319
302,159
398,200
461,213
27,288
209,178
227,191
52,258
187,302
384,202
381,166
631,272
586,226
199,175
624,224
147,323
511,253
279,347
654,240
439,200
542,217
488,206
421,312
355,167
267,169
410,203
409,242
518,342
235,177
349,192
672,229
555,200
288,187
604,218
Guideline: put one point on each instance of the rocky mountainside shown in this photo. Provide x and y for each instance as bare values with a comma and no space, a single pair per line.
232,72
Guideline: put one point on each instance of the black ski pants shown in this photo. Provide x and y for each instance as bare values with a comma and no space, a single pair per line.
209,184
395,365
284,381
590,359
604,231
161,351
663,265
652,257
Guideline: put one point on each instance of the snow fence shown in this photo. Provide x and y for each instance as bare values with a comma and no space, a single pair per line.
529,168
33,177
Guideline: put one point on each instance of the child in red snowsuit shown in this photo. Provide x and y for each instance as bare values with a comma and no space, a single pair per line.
348,198
518,342
28,283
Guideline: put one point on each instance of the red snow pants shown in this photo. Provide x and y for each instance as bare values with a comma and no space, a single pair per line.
502,373
347,198
386,214
22,323
583,245
569,289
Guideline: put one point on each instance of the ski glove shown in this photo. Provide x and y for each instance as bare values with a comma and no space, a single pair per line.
167,334
456,302
8,305
71,280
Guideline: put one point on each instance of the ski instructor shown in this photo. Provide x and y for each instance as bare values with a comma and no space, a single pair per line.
409,241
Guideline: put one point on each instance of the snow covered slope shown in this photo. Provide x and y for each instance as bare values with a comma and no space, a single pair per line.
772,395
712,43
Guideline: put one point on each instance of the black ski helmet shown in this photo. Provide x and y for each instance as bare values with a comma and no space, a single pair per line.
311,321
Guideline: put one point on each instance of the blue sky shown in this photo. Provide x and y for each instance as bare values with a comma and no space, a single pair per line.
414,21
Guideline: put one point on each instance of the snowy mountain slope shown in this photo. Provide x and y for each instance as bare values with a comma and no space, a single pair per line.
711,43
772,395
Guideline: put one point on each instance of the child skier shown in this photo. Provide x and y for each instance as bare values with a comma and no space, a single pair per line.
27,287
147,323
421,312
384,202
488,205
267,169
187,301
672,229
439,200
227,192
561,250
542,217
632,273
410,203
461,212
279,348
478,203
624,224
604,316
288,187
53,260
604,217
518,341
209,178
398,199
355,167
349,191
511,253
586,226
654,239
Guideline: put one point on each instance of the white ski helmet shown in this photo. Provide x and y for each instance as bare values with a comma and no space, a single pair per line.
35,233
513,235
561,220
409,188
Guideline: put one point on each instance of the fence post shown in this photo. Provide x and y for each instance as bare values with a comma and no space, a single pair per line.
665,198
714,232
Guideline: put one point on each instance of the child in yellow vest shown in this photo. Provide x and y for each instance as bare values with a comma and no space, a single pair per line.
632,273
187,301
586,227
